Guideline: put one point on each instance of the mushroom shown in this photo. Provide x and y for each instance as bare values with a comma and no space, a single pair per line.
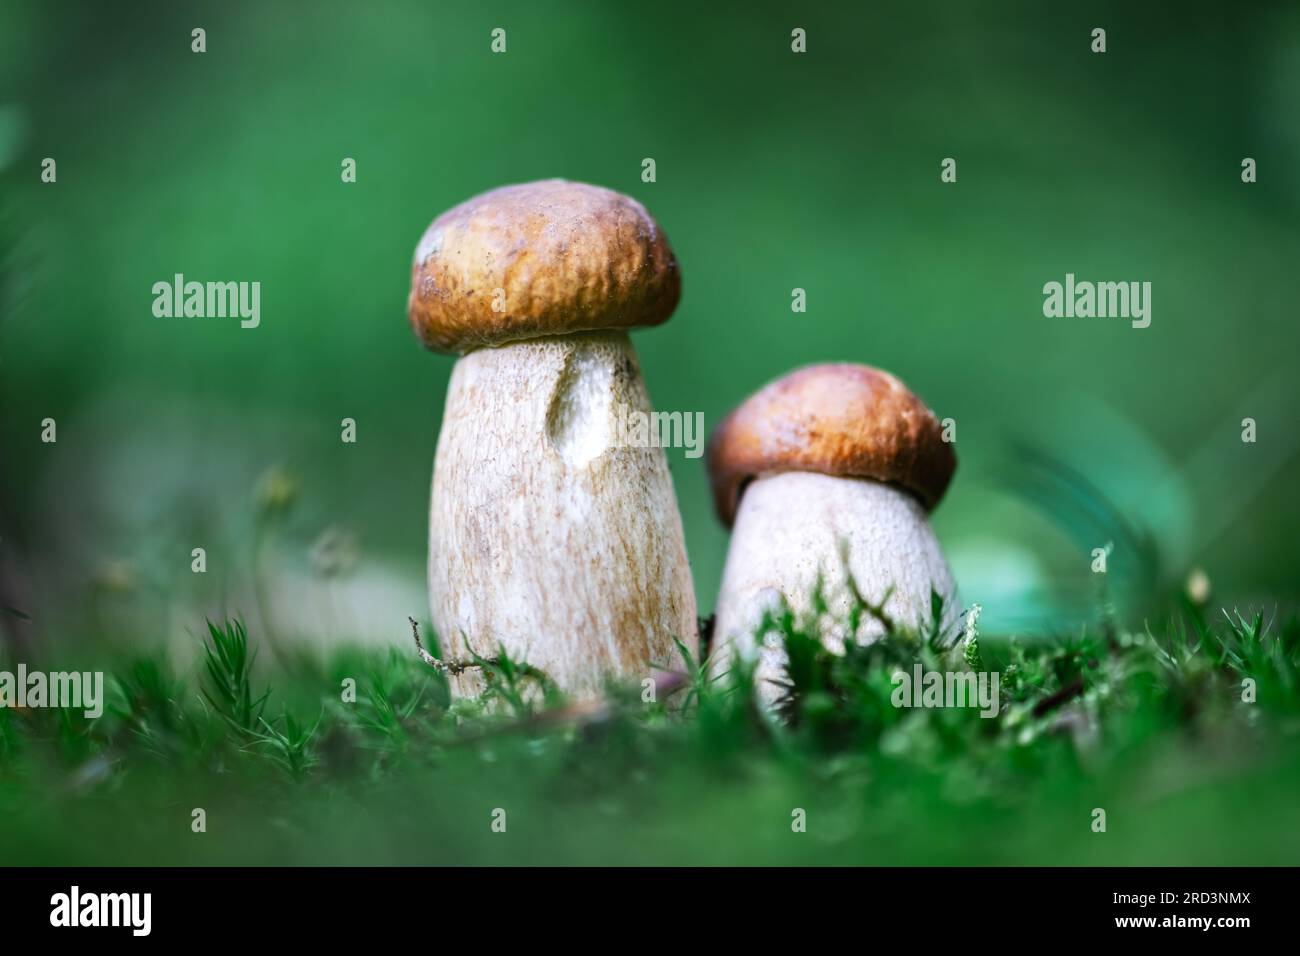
548,536
827,475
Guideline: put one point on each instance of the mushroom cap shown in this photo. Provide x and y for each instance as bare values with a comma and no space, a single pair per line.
850,421
568,257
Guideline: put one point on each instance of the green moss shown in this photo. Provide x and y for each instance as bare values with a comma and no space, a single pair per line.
1149,726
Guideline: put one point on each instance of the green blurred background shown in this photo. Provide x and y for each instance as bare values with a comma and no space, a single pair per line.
774,171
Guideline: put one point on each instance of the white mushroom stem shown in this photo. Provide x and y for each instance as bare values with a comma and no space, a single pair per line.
796,528
546,536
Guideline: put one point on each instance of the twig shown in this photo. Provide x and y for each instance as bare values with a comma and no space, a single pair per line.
580,713
1067,693
589,712
445,667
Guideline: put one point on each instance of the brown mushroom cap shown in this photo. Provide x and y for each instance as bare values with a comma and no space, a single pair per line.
850,421
568,257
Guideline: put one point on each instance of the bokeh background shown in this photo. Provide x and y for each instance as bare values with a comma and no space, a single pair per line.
774,171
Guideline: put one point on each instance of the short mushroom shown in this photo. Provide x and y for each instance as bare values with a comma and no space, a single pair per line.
827,475
548,537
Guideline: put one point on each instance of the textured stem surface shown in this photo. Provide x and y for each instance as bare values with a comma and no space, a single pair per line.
546,536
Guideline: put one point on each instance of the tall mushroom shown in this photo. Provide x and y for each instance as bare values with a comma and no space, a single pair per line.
827,475
547,535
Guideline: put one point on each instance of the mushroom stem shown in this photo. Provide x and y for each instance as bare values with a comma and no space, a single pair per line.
794,531
548,537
